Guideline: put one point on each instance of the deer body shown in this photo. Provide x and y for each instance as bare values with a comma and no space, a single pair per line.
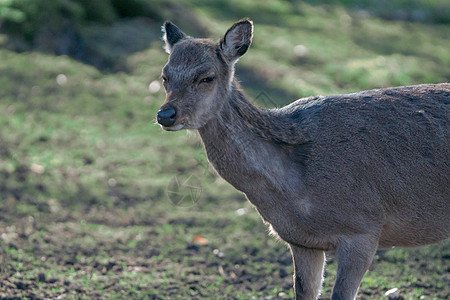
372,169
350,173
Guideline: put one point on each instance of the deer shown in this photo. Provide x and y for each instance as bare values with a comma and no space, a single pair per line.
346,173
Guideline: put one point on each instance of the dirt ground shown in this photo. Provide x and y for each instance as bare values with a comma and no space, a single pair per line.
110,255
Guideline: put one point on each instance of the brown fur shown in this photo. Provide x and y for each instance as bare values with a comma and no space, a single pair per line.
350,173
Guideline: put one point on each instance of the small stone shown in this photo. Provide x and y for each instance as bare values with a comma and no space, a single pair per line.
262,287
283,273
21,285
36,168
393,291
41,277
393,294
241,211
110,265
61,79
300,50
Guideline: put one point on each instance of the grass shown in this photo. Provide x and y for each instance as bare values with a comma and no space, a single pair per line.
85,172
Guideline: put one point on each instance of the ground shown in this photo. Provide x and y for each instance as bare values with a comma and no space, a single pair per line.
105,254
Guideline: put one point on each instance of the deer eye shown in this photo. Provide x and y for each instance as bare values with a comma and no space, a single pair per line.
207,79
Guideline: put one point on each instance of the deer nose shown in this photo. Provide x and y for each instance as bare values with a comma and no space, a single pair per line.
167,116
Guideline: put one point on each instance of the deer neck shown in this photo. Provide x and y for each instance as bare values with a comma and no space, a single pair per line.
234,142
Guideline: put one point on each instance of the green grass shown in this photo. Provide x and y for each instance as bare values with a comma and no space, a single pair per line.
84,170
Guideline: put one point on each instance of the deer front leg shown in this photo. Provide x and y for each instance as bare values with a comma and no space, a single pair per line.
309,265
354,258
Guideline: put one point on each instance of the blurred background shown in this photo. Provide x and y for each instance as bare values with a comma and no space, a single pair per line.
98,202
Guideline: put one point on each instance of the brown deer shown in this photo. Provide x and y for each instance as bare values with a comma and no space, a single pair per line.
349,173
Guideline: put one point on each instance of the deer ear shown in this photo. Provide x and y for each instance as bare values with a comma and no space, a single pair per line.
172,35
237,39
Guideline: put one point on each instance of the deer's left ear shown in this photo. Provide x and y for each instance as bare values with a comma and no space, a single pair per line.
172,35
237,39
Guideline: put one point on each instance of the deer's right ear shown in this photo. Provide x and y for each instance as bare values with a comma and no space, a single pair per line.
172,35
237,39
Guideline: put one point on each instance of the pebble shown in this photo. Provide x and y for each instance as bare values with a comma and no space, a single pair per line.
41,277
393,294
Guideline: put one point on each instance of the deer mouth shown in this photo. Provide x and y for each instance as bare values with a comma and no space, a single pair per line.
173,128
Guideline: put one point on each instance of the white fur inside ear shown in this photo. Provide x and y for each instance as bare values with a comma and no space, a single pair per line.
164,38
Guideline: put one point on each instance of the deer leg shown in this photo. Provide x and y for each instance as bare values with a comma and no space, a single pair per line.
309,265
354,258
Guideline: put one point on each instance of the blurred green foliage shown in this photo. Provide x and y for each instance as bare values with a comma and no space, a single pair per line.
34,19
29,18
74,27
39,22
430,11
9,13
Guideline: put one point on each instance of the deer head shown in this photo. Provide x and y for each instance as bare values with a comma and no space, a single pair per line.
199,74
